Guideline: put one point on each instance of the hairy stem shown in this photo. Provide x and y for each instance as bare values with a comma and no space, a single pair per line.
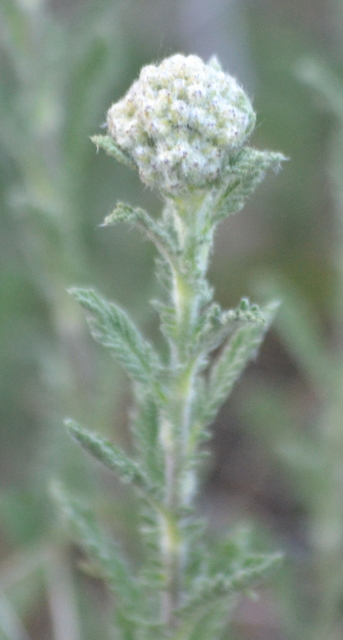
175,431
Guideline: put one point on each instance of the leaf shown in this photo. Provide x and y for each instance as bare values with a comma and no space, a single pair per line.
166,310
204,624
232,569
145,427
111,457
241,348
168,321
111,326
243,176
215,326
252,570
107,554
111,148
140,218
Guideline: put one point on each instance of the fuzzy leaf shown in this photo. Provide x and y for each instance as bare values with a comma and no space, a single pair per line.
243,176
211,623
107,144
253,569
166,310
168,324
111,326
241,348
140,218
105,552
204,624
206,611
145,426
215,325
111,457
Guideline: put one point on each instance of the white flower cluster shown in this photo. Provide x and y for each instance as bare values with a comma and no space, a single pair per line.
180,122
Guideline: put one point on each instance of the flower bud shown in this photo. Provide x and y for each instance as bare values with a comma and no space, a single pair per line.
180,122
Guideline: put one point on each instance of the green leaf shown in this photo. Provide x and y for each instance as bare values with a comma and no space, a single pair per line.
107,144
145,427
111,326
226,370
252,570
215,325
204,624
111,457
106,553
243,176
231,570
141,219
168,322
211,624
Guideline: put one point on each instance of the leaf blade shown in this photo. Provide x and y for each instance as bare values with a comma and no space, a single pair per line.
108,556
230,364
141,219
243,177
112,149
114,458
112,327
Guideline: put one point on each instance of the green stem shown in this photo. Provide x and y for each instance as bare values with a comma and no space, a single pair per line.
187,274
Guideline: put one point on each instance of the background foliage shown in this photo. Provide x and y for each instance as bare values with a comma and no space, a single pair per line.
61,66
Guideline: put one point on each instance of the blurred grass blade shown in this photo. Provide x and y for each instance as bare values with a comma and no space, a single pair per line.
10,623
298,325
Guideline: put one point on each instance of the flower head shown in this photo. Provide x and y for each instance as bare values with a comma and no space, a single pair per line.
180,122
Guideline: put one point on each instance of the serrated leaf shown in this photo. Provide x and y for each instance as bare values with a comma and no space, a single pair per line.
110,456
145,427
226,370
111,148
112,327
243,176
168,324
215,326
206,612
251,571
140,218
204,624
212,624
105,552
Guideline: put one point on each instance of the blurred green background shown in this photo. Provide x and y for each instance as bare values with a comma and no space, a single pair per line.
62,63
